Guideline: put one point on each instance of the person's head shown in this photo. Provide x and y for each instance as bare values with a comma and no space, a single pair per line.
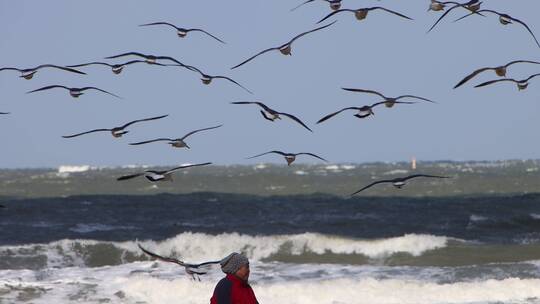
236,264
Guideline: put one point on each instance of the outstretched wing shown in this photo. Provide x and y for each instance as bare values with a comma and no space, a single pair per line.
336,113
161,258
416,97
390,11
90,63
87,132
186,166
305,2
140,120
270,152
231,80
150,141
207,33
260,104
199,130
471,76
310,31
444,15
364,91
59,67
424,175
296,119
49,87
528,29
311,154
98,89
483,84
373,184
253,57
125,177
335,12
160,23
127,54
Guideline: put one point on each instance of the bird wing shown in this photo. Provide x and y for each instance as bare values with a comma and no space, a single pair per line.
270,152
128,54
207,33
336,113
98,89
186,166
310,31
10,69
137,61
521,61
423,175
89,63
305,2
199,130
150,141
471,76
493,81
49,87
478,13
296,119
125,177
260,104
444,15
140,120
59,67
390,11
160,23
87,132
373,184
201,265
252,57
4,113
532,76
335,12
413,96
311,154
528,29
161,258
364,91
232,80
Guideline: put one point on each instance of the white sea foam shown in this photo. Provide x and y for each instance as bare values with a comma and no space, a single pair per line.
73,169
87,228
535,216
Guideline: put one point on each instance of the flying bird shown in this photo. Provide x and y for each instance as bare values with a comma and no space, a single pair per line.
362,13
521,84
473,6
191,269
499,70
270,114
207,79
388,101
117,131
334,4
29,73
504,19
284,49
437,6
175,142
150,59
74,92
182,32
398,182
363,112
116,68
289,157
156,176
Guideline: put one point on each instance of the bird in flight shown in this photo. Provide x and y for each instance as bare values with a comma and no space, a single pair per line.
116,132
504,19
150,59
74,92
194,270
388,101
437,6
362,13
472,6
499,70
29,73
398,182
363,112
334,4
157,176
289,157
270,114
116,68
521,84
207,79
175,142
284,49
182,32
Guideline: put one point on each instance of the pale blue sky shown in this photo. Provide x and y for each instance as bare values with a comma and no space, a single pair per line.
383,53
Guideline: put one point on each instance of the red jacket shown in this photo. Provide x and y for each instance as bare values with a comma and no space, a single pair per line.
232,290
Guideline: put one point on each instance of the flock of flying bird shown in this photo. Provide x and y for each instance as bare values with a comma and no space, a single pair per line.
472,7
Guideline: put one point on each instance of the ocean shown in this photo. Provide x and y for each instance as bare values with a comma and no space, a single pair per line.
318,247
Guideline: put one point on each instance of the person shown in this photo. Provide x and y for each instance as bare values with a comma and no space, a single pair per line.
234,287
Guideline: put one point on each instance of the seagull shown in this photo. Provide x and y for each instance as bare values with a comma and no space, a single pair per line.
116,131
437,6
156,176
289,157
74,92
284,49
182,32
388,101
29,73
504,19
207,79
116,68
175,142
362,13
270,114
334,4
521,84
473,6
150,59
398,182
363,112
189,268
499,70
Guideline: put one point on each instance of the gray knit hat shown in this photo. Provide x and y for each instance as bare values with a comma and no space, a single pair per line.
234,261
